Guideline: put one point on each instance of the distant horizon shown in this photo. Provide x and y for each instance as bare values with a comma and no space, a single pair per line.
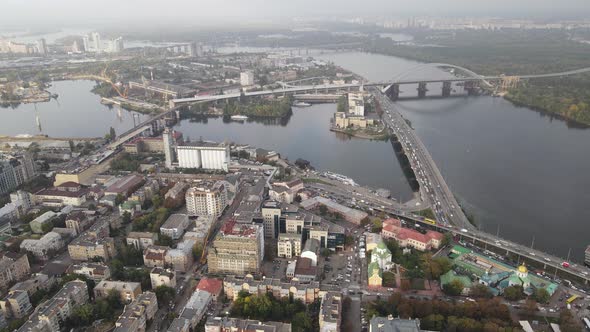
135,14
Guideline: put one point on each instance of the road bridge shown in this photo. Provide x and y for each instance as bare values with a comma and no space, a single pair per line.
470,79
551,264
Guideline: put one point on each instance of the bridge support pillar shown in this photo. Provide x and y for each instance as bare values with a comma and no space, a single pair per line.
393,92
422,90
446,89
472,87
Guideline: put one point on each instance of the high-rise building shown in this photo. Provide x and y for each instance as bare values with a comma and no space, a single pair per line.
246,78
168,148
356,104
42,46
237,249
15,170
206,201
86,43
96,44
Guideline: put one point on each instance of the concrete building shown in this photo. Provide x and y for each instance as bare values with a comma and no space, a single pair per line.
331,312
210,201
356,103
168,140
205,155
307,292
136,314
175,226
94,271
16,304
305,270
129,291
45,247
141,240
181,258
125,186
226,324
151,144
212,286
406,237
155,256
196,307
246,78
180,324
343,120
289,245
37,282
15,170
52,314
87,247
44,219
177,191
67,193
311,250
390,324
13,268
78,221
162,277
237,249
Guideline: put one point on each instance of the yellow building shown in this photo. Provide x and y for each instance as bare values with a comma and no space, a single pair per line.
375,275
342,120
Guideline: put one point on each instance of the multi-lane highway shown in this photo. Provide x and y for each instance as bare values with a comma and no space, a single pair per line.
433,188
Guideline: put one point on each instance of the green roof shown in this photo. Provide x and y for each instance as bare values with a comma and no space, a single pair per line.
460,250
372,266
451,275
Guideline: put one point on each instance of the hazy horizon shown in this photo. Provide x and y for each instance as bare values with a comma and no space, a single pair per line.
43,13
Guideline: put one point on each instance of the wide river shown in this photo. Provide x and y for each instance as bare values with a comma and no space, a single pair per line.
520,173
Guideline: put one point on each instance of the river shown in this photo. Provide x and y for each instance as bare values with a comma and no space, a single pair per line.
77,112
517,171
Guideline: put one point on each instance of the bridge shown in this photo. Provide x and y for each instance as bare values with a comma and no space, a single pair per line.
470,79
449,215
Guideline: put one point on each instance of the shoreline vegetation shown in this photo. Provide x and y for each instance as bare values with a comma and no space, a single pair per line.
362,133
567,98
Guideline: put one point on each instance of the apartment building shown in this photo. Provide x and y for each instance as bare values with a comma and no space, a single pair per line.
237,249
162,277
14,267
307,292
129,291
211,200
141,240
289,245
137,313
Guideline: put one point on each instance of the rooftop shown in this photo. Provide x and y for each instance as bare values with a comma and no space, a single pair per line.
210,285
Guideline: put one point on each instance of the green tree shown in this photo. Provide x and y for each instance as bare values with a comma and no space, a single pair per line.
114,299
164,294
480,290
83,315
453,288
514,293
197,251
47,227
112,133
541,295
165,240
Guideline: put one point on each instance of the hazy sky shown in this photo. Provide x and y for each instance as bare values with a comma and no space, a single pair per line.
23,12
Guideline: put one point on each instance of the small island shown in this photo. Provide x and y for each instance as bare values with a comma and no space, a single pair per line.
350,118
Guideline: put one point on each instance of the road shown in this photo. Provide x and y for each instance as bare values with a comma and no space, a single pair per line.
433,188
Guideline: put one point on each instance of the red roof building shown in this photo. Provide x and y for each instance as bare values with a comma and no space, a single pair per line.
213,286
409,237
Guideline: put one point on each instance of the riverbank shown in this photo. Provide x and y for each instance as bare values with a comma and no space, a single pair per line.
363,133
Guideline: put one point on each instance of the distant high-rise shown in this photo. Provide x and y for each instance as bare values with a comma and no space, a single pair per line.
168,148
96,45
86,43
42,46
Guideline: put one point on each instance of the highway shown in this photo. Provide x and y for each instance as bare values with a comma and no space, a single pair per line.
305,88
433,188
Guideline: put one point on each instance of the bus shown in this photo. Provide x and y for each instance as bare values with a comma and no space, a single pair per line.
571,299
430,221
586,323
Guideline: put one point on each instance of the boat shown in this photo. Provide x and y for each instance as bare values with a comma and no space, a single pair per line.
301,104
239,117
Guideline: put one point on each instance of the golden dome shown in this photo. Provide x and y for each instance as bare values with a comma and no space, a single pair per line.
523,269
